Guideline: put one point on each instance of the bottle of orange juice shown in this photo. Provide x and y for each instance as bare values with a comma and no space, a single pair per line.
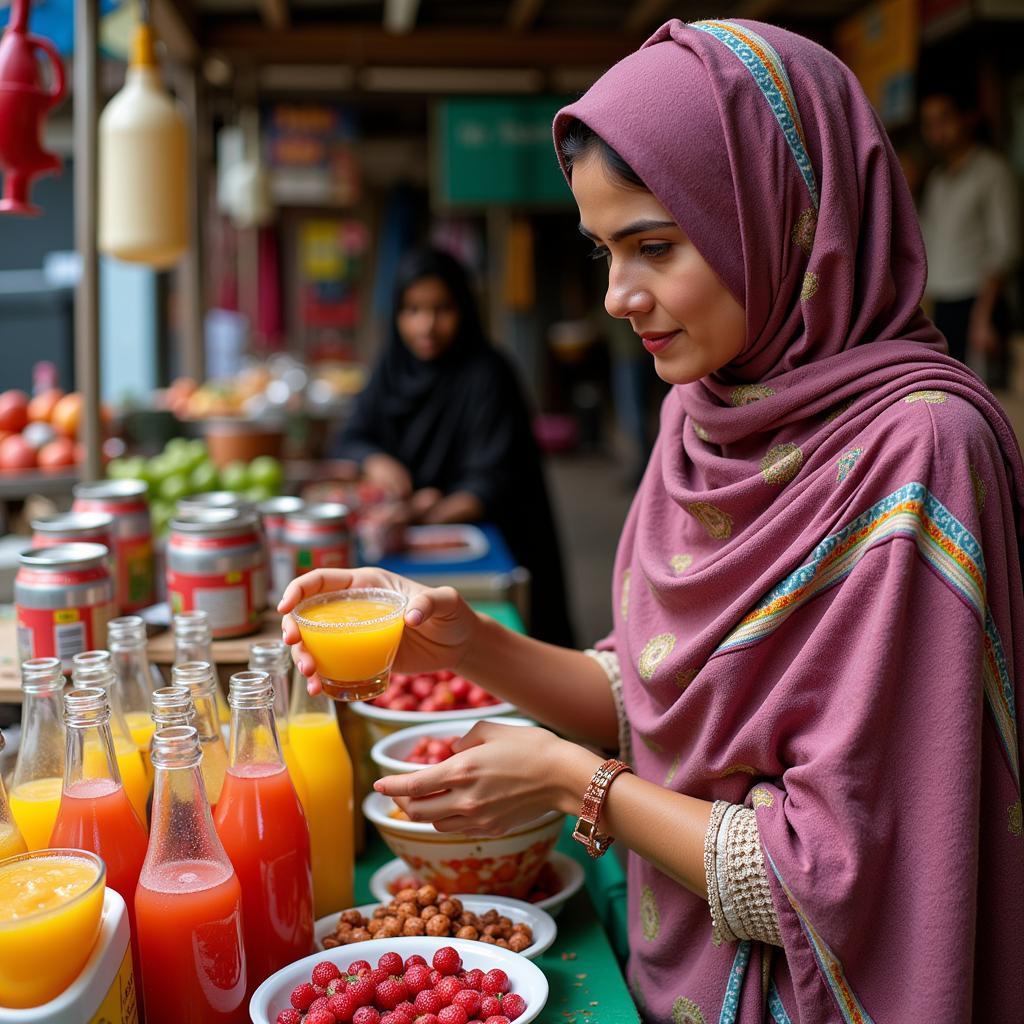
10,836
199,679
321,755
39,772
96,668
126,638
193,641
274,658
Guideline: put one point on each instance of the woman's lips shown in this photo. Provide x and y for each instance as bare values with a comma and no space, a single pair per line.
657,342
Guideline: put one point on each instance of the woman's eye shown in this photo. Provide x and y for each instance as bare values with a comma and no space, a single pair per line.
599,253
654,249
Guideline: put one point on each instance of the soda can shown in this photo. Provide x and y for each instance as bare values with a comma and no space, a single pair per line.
63,600
125,502
280,555
75,528
320,537
216,563
213,499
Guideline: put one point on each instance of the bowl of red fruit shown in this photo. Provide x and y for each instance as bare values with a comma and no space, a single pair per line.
408,750
426,697
403,979
505,865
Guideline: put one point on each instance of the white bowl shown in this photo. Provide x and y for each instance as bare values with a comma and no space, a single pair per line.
568,870
525,977
503,865
381,722
541,923
390,752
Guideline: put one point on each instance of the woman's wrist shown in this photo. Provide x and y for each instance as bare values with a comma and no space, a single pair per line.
571,767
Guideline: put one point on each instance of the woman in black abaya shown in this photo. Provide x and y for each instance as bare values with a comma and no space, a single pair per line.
443,425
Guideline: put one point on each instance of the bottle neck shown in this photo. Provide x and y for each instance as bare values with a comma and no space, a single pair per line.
279,668
303,704
131,663
41,753
89,753
193,646
254,739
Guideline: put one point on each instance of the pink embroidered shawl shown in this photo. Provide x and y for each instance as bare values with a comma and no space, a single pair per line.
818,597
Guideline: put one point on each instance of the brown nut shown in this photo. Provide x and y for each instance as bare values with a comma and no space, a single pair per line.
519,942
494,930
505,922
374,926
405,895
468,932
439,924
488,939
521,926
330,942
380,912
489,916
360,935
410,908
451,906
352,917
467,919
391,921
503,943
425,895
428,912
414,926
389,931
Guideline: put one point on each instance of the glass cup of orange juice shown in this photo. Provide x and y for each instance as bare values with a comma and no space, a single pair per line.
51,903
353,636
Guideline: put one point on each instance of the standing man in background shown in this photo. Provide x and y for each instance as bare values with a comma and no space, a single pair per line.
970,220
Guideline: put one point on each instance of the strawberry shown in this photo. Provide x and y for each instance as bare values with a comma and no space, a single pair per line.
495,981
302,996
469,1000
428,1001
325,972
447,960
362,991
415,960
391,963
321,1015
497,1019
513,1005
453,1014
336,987
435,977
289,1017
447,990
343,1006
417,977
390,993
473,978
490,1006
394,1017
366,1015
357,967
426,1018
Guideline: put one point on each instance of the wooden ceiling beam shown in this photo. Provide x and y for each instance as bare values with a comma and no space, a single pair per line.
522,14
643,14
275,14
426,47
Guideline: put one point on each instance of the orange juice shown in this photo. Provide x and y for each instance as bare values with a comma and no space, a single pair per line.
129,764
353,642
50,908
11,842
316,743
140,725
34,806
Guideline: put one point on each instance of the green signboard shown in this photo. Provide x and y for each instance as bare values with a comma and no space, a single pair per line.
498,151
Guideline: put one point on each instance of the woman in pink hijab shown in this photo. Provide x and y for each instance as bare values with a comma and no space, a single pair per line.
819,617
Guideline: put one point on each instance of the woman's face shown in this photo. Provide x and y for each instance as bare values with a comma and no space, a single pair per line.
428,319
684,316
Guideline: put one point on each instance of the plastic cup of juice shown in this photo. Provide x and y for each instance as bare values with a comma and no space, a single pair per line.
51,903
353,636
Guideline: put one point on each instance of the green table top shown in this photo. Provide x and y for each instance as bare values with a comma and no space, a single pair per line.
587,986
503,611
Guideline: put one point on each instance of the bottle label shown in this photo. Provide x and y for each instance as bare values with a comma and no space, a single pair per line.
120,1004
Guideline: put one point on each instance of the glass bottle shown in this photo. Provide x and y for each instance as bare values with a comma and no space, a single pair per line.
199,678
39,771
126,638
172,705
193,641
316,741
274,658
95,812
96,668
188,903
11,841
261,823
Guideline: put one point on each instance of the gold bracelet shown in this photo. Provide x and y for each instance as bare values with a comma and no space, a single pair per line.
586,831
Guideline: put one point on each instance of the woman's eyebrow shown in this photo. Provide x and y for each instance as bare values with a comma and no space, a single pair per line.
636,228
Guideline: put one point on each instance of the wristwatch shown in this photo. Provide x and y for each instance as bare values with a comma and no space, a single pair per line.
586,830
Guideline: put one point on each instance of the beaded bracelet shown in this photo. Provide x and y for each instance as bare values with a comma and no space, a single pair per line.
718,809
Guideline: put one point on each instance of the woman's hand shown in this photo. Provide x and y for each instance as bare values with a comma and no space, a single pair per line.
388,474
439,625
499,777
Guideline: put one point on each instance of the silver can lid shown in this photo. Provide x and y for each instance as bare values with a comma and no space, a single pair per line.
215,521
324,512
112,489
212,499
283,505
62,522
65,556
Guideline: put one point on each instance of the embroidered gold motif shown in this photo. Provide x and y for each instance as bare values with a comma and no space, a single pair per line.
931,397
685,676
762,798
656,650
745,394
673,768
781,464
846,463
839,410
1016,822
624,596
714,520
701,432
803,231
634,988
737,769
680,563
686,1011
980,490
810,285
650,919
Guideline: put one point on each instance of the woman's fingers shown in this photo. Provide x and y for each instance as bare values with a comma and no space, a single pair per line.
435,602
414,784
313,583
289,630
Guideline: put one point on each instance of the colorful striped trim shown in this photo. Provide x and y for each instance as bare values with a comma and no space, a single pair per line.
731,1004
947,547
765,66
850,1006
775,1007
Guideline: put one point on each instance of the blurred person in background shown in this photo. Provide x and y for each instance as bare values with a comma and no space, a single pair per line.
970,221
443,427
